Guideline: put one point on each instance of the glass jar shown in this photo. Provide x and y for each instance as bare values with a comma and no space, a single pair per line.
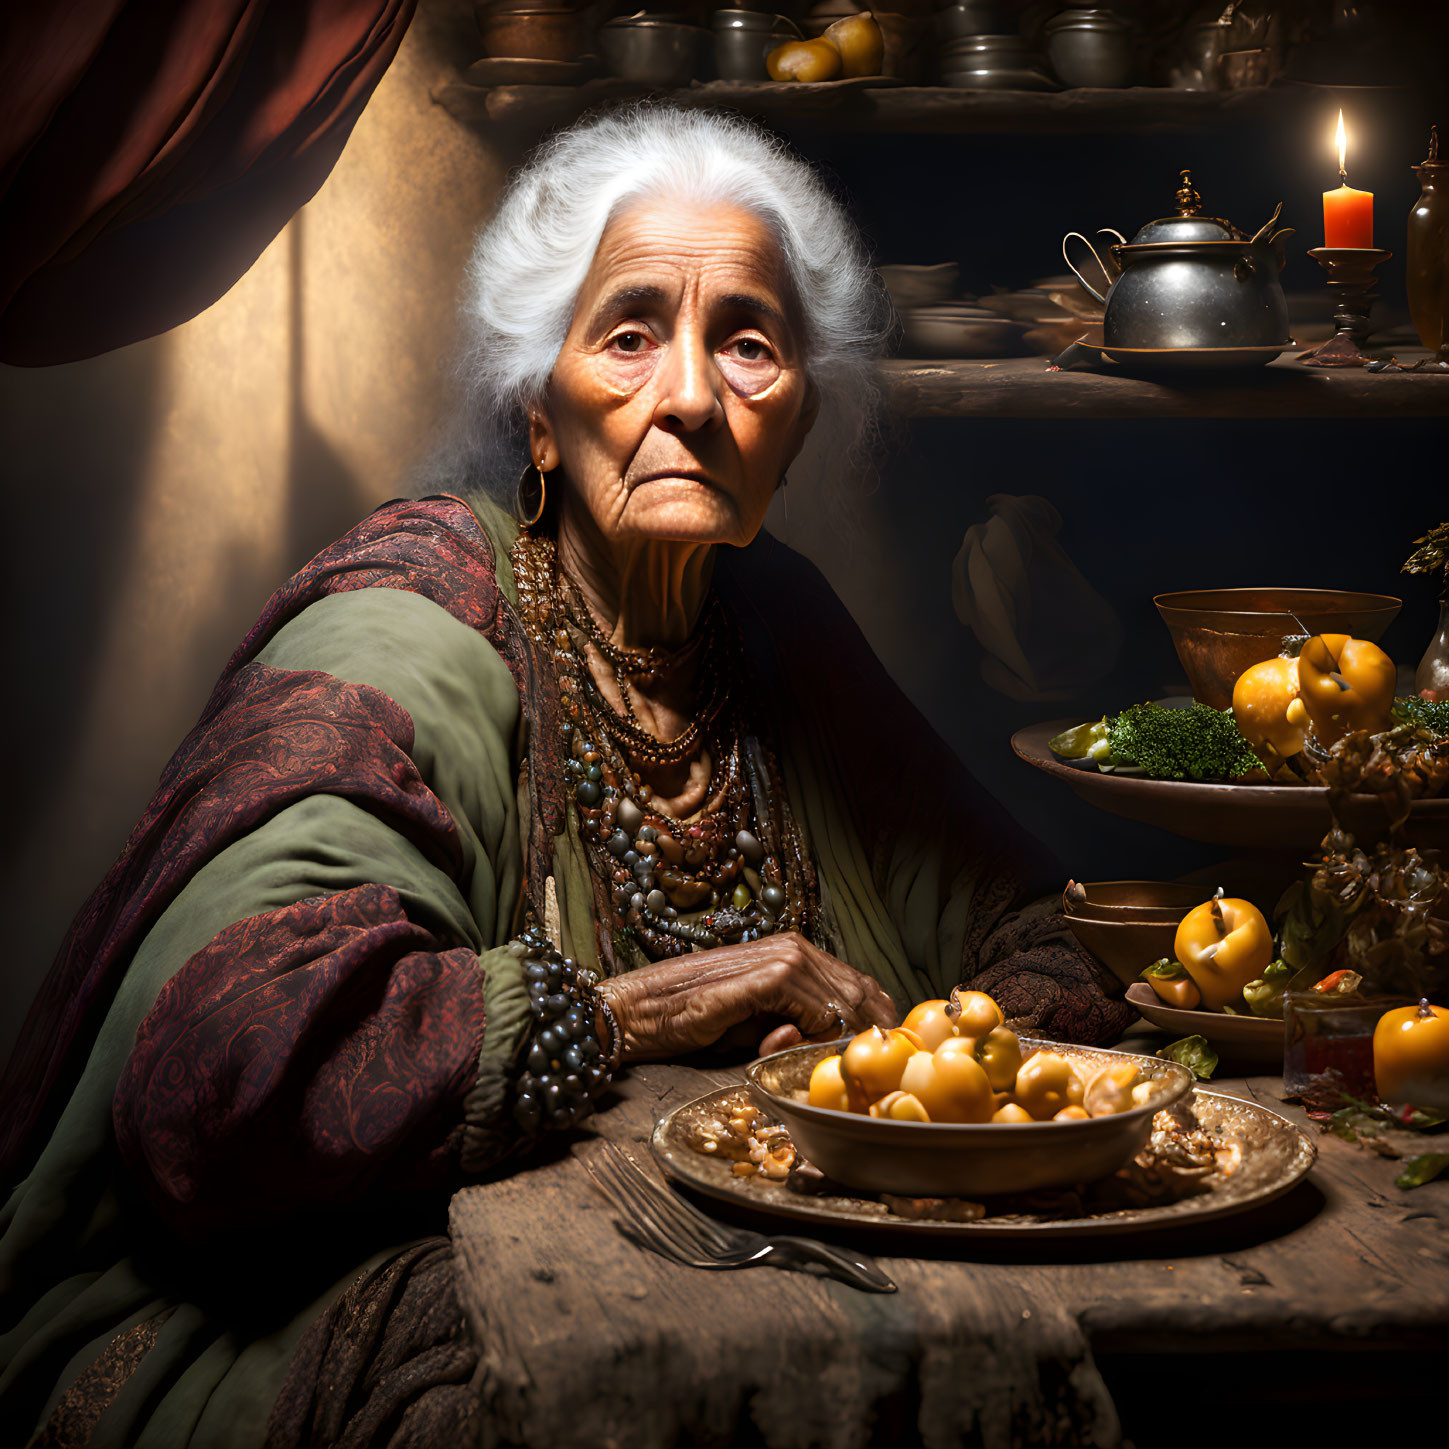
1432,677
1328,1045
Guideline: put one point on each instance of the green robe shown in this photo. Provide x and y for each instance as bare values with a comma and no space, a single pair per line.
162,1342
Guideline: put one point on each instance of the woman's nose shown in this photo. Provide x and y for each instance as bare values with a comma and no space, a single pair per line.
689,383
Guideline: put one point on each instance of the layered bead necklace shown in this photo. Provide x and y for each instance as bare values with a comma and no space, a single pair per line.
734,872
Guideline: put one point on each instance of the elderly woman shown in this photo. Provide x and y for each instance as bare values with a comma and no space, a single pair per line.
482,810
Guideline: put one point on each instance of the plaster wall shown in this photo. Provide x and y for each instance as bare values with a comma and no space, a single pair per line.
157,495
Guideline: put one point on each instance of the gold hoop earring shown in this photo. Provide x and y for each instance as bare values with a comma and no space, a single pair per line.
520,507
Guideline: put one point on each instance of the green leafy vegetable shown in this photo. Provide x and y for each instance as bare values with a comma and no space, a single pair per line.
1194,1053
1200,743
1424,1168
1429,714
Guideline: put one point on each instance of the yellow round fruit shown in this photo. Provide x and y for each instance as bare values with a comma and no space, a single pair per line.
949,1083
872,1063
827,1086
932,1023
804,60
1045,1084
977,1013
1011,1112
1411,1057
861,45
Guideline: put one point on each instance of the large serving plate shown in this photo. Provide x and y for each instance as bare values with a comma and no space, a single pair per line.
1273,1155
1261,817
1251,1037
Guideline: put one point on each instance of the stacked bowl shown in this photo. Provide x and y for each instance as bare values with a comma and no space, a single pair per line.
1129,924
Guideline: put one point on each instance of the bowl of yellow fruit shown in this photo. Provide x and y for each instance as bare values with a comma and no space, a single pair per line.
952,1103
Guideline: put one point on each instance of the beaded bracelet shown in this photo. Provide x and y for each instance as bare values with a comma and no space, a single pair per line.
564,1067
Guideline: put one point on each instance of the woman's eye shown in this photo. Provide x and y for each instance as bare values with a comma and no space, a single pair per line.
629,342
750,349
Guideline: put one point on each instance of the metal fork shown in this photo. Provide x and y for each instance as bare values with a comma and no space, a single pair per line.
655,1218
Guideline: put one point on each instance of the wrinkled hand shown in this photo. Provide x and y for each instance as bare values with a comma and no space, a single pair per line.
678,1006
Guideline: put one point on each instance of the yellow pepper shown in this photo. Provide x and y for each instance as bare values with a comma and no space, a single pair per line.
1174,987
1268,711
1045,1084
1411,1057
1224,944
1345,684
999,1053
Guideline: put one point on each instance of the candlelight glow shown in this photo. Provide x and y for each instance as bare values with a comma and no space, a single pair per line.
1342,144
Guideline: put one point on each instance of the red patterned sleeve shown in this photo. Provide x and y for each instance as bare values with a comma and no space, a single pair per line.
304,1055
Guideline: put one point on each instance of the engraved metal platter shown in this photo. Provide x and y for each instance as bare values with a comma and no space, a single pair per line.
1267,1153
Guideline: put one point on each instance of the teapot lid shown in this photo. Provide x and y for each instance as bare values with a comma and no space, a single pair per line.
1187,225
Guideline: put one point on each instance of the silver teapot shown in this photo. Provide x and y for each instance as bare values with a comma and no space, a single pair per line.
1190,281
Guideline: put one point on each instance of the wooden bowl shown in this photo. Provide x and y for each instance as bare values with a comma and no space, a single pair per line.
1132,900
1218,633
1125,948
949,1159
919,286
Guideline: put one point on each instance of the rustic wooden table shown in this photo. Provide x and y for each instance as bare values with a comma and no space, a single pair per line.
1324,1312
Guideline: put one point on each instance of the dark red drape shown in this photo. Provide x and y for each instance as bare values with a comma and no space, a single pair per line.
150,151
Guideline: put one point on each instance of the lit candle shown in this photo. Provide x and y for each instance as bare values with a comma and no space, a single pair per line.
1348,215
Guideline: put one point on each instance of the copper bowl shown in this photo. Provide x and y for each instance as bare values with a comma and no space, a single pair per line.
534,34
1218,633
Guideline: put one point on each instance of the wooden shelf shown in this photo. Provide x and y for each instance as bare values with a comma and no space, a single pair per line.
1022,387
858,105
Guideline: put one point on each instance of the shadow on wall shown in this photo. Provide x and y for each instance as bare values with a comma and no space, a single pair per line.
322,492
79,444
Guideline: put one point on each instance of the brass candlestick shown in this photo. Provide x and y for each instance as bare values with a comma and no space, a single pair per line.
1351,285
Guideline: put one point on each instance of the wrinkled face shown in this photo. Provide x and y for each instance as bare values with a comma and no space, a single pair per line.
679,397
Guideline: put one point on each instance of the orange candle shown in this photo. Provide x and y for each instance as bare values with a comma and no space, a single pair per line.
1348,215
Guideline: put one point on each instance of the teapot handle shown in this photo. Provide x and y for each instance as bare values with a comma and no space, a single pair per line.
1106,274
1277,242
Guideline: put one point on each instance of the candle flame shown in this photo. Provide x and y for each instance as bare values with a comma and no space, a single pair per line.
1342,140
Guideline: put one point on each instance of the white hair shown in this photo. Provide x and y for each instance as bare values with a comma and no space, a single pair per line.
531,259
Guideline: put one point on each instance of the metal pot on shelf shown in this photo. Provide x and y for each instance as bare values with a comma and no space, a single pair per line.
1191,283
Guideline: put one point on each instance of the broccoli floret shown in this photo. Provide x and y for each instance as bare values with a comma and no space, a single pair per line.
1200,743
1429,714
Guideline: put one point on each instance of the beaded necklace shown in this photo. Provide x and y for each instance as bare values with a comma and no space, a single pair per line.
734,872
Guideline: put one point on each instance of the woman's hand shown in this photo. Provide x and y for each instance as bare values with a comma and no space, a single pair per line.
678,1006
